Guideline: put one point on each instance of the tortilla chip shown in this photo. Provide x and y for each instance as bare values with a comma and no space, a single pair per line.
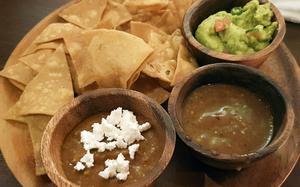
37,60
34,47
114,15
13,113
85,13
144,30
168,22
135,5
19,72
56,31
185,64
50,89
151,88
81,66
162,63
36,125
181,7
117,57
17,84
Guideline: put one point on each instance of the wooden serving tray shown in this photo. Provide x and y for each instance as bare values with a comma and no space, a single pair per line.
184,169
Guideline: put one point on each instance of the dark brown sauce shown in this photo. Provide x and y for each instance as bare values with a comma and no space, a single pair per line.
227,119
145,160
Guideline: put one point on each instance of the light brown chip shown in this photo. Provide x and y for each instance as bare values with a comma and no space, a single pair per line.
135,5
36,125
37,60
56,31
181,7
81,66
168,22
114,15
13,113
144,31
162,63
34,47
85,13
50,89
17,84
151,88
19,72
185,64
117,57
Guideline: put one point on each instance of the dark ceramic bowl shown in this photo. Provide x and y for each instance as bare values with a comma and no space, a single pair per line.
245,77
202,9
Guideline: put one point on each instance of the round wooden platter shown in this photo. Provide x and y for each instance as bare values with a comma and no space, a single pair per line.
184,169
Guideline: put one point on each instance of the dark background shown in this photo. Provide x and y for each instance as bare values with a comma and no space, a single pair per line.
17,17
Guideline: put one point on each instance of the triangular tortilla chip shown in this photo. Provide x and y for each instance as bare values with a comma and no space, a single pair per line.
34,47
50,89
151,88
185,64
144,30
37,60
19,72
114,15
182,7
81,66
117,57
13,113
17,84
56,31
85,13
36,125
162,63
135,5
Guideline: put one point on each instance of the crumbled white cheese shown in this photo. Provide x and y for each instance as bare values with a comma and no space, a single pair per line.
144,127
79,166
118,130
88,159
132,150
118,168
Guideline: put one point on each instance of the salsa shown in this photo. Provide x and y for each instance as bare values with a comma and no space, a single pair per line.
227,119
245,30
149,153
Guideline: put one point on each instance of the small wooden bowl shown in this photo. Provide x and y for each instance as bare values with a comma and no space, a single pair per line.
242,76
201,10
94,102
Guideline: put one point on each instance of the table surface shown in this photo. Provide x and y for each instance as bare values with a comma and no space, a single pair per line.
17,17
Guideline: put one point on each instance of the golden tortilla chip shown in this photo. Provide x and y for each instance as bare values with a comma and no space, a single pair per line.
19,72
117,57
17,84
36,125
151,88
182,7
135,5
114,15
50,89
85,13
56,31
162,63
13,113
185,64
37,60
144,31
34,47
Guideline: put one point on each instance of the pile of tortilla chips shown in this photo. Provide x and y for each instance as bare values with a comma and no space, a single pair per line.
102,44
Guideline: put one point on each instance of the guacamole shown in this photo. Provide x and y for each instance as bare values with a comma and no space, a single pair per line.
245,30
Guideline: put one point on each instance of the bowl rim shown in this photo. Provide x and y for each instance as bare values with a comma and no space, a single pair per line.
190,38
46,146
288,119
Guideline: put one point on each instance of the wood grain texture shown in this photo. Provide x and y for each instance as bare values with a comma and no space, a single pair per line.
242,76
19,16
202,9
93,103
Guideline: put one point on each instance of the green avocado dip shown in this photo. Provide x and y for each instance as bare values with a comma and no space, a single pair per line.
245,30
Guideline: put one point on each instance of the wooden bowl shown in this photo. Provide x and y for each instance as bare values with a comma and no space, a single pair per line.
242,76
94,102
202,9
